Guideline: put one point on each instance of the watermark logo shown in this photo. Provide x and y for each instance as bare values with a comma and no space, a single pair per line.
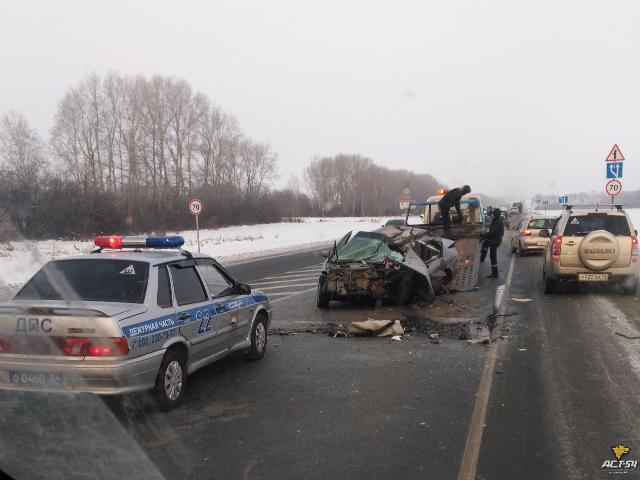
619,465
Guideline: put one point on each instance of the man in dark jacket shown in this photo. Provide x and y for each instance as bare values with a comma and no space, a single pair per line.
449,200
493,239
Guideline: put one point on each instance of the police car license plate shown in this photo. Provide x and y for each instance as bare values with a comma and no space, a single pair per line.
36,378
593,277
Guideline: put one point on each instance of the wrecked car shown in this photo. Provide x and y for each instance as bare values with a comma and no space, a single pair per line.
393,264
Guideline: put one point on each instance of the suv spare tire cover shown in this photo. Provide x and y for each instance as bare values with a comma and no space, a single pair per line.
599,250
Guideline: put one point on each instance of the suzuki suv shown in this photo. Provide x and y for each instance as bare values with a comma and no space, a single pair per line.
592,245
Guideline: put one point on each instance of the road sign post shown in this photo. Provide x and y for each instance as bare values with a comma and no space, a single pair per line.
195,208
614,164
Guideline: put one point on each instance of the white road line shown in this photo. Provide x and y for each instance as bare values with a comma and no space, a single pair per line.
469,462
273,282
282,276
267,289
294,295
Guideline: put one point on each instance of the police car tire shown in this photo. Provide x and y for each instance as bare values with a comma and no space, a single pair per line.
160,393
254,352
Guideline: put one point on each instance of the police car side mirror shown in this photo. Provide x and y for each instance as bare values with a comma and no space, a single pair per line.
544,233
243,289
325,253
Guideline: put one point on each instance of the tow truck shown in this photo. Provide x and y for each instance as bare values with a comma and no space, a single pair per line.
466,232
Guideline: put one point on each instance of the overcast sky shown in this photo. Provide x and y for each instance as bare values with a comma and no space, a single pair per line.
510,97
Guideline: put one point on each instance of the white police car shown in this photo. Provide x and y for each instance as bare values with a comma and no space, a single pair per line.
120,321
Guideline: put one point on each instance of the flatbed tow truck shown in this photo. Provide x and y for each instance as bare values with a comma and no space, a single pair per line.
465,231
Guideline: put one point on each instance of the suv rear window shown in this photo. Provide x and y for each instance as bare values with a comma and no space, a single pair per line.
580,225
94,280
541,223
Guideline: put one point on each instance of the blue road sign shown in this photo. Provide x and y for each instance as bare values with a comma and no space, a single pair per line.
563,200
614,169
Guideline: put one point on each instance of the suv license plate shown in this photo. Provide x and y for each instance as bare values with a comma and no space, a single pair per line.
36,378
593,277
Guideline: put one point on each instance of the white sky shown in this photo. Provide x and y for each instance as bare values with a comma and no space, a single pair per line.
510,97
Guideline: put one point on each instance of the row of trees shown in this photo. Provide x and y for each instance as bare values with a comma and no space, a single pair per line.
126,152
355,185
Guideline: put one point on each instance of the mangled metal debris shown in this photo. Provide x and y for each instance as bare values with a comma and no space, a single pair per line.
394,264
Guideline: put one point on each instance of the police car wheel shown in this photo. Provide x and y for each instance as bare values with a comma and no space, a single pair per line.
171,380
258,339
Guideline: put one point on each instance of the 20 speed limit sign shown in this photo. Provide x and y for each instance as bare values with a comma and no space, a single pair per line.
195,206
613,187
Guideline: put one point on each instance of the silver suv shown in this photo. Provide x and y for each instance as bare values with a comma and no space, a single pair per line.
596,244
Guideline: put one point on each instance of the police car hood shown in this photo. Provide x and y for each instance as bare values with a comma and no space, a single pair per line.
62,307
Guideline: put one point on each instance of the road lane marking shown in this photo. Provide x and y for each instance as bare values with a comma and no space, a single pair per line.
275,287
295,294
471,454
281,276
274,282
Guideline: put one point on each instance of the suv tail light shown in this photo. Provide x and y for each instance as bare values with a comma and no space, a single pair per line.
556,248
526,233
95,347
634,249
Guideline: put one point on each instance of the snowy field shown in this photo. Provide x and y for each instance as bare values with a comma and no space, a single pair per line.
19,260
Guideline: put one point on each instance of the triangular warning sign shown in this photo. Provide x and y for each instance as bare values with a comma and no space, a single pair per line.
128,271
615,155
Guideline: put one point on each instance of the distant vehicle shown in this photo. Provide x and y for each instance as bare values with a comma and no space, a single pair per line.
592,245
126,321
517,205
526,236
391,264
395,222
514,211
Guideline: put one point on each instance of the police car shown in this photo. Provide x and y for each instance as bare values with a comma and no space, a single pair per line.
133,315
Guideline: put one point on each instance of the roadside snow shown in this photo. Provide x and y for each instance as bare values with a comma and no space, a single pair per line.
20,260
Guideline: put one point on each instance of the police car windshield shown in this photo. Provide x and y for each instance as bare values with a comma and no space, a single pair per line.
580,225
94,280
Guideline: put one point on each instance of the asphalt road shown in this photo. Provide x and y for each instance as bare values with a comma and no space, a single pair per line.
564,390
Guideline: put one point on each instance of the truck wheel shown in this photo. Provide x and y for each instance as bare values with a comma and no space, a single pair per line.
171,380
323,298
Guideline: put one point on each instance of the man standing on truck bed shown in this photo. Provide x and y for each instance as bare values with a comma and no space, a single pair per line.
448,200
494,238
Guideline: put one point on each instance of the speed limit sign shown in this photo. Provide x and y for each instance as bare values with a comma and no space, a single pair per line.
613,187
195,206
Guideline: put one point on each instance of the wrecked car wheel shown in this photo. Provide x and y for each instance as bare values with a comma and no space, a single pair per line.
404,290
323,296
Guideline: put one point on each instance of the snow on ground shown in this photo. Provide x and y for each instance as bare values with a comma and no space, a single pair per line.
21,259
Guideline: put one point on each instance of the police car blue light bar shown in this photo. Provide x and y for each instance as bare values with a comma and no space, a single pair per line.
116,241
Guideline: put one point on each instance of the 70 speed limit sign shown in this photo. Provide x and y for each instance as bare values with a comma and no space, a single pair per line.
613,187
195,206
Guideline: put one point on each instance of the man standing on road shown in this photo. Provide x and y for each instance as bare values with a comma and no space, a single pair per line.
448,200
493,238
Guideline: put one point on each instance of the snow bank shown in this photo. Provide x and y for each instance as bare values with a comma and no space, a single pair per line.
20,260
